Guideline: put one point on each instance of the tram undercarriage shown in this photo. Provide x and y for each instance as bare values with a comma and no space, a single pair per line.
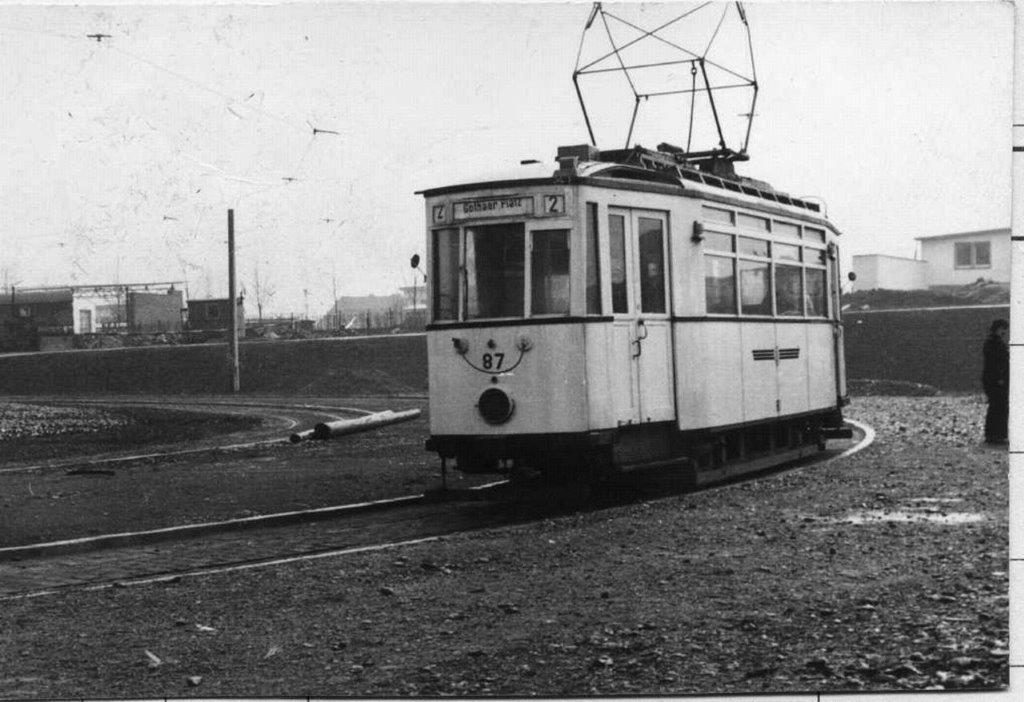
702,456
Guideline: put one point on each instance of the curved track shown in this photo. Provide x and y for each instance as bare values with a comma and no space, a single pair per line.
279,418
386,524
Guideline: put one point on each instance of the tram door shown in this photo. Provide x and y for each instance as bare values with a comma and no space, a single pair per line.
642,355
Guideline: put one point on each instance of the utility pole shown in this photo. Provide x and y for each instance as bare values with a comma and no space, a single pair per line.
233,303
334,291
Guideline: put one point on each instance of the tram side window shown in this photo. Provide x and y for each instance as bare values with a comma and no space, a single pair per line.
720,284
494,270
755,287
816,294
652,265
617,259
789,294
812,234
785,229
752,222
593,262
549,272
446,274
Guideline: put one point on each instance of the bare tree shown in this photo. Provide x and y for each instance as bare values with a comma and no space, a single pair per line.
8,279
263,291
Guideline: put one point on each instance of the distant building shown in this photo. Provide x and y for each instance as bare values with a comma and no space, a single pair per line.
943,260
362,313
958,259
43,318
214,314
878,271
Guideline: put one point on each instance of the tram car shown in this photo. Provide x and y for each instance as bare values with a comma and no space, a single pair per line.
631,308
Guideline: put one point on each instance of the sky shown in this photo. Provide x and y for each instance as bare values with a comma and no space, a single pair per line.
122,156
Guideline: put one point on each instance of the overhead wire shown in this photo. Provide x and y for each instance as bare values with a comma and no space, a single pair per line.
230,102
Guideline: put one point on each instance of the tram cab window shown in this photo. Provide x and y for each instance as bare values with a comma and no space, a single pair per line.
652,265
549,272
617,259
494,270
445,272
755,287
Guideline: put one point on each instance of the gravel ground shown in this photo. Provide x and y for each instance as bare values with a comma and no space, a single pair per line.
886,570
38,432
20,421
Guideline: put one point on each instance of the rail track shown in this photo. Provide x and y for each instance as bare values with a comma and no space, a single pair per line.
279,418
167,556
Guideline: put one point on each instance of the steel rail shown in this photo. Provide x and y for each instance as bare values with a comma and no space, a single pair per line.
409,501
101,459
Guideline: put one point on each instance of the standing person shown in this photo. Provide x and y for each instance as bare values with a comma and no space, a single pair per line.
995,378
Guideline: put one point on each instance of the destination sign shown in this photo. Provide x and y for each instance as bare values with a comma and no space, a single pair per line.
494,207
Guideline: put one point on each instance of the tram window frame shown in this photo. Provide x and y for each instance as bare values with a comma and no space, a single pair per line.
750,246
732,310
789,302
617,245
815,234
651,257
753,222
717,215
786,229
809,309
438,276
541,298
715,241
815,256
512,301
592,265
767,298
780,244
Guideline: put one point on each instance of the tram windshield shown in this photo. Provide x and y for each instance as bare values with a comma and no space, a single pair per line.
492,278
494,271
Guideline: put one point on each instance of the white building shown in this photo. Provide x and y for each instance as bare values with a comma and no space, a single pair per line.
942,259
889,272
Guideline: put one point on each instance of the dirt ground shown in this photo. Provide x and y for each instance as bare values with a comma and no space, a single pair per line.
885,570
57,504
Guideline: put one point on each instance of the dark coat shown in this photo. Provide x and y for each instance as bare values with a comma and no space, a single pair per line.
995,374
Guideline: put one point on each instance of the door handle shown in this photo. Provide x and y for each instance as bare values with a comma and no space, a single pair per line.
641,325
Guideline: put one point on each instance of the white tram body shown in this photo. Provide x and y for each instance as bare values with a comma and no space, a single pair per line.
627,310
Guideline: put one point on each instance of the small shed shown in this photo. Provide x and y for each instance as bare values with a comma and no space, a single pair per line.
213,314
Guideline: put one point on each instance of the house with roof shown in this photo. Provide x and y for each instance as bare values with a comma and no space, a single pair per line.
942,260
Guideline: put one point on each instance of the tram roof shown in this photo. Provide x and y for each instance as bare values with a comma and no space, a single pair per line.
624,176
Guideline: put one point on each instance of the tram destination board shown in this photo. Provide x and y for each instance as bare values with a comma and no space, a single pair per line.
494,207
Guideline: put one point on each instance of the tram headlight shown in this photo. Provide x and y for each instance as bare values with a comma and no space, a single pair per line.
495,406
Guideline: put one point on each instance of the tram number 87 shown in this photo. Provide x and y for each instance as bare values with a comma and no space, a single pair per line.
493,361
